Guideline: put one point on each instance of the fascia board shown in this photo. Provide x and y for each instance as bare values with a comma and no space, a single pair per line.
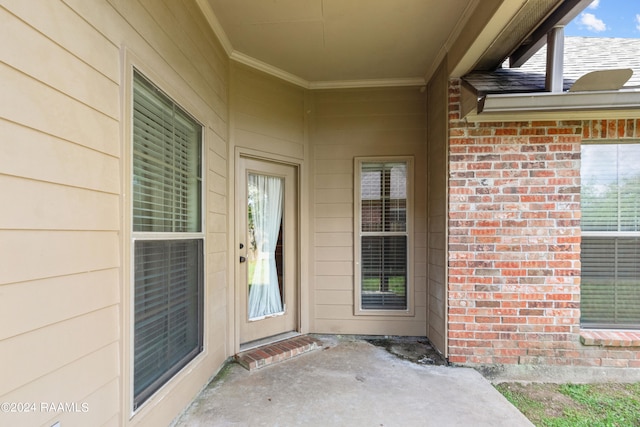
562,101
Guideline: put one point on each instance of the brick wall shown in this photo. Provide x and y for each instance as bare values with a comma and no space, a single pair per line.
514,241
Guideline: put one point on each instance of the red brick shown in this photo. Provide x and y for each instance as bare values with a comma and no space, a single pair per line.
508,131
561,131
547,123
514,272
457,359
630,128
532,131
535,247
487,319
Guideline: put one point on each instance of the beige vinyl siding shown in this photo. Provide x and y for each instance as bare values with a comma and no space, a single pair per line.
59,171
64,280
354,123
96,388
437,175
25,350
51,296
53,160
268,114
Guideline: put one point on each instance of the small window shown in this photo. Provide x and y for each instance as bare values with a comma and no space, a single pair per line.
383,231
168,242
610,250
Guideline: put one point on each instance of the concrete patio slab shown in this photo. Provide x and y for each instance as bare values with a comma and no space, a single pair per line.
351,382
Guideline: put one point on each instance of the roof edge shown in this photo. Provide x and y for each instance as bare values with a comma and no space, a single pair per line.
556,101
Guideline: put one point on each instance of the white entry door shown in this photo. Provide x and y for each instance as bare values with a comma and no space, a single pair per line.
267,252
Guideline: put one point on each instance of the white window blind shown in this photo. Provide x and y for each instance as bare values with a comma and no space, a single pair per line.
166,164
610,187
168,240
383,235
610,249
384,197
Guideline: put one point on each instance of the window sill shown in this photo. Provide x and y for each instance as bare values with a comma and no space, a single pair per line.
610,337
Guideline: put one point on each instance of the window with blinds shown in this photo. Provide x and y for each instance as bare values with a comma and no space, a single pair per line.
168,243
383,235
166,163
610,249
167,311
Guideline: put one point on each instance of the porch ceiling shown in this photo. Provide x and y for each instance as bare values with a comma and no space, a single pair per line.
351,43
331,41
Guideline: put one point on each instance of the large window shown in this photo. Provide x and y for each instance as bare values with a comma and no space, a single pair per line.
383,235
610,290
168,242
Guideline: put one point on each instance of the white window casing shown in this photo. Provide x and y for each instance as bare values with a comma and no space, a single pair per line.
167,238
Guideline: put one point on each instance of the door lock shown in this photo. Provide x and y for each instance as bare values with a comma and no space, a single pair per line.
242,259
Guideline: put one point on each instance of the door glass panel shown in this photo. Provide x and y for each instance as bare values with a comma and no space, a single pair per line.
264,207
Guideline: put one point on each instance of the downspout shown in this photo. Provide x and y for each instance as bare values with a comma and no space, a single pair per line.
554,81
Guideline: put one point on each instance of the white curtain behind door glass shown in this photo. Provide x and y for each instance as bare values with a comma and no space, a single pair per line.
265,207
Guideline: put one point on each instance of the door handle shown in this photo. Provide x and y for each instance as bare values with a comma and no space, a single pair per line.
242,259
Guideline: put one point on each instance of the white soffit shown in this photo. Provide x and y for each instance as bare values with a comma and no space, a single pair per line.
474,48
322,44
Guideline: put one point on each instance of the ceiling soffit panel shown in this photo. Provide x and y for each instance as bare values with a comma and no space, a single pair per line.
339,43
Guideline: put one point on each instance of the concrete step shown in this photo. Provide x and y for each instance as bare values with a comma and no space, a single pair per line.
280,351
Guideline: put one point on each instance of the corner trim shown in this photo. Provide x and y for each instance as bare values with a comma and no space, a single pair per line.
268,68
212,19
342,84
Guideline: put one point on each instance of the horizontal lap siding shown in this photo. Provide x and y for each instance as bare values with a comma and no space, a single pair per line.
54,160
348,124
61,172
94,289
25,350
94,387
59,169
268,114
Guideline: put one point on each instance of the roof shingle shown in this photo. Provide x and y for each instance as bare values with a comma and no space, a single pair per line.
581,56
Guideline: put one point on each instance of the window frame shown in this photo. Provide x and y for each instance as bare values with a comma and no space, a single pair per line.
135,237
614,234
358,234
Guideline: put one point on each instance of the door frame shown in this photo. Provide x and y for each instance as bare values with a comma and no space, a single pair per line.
301,305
